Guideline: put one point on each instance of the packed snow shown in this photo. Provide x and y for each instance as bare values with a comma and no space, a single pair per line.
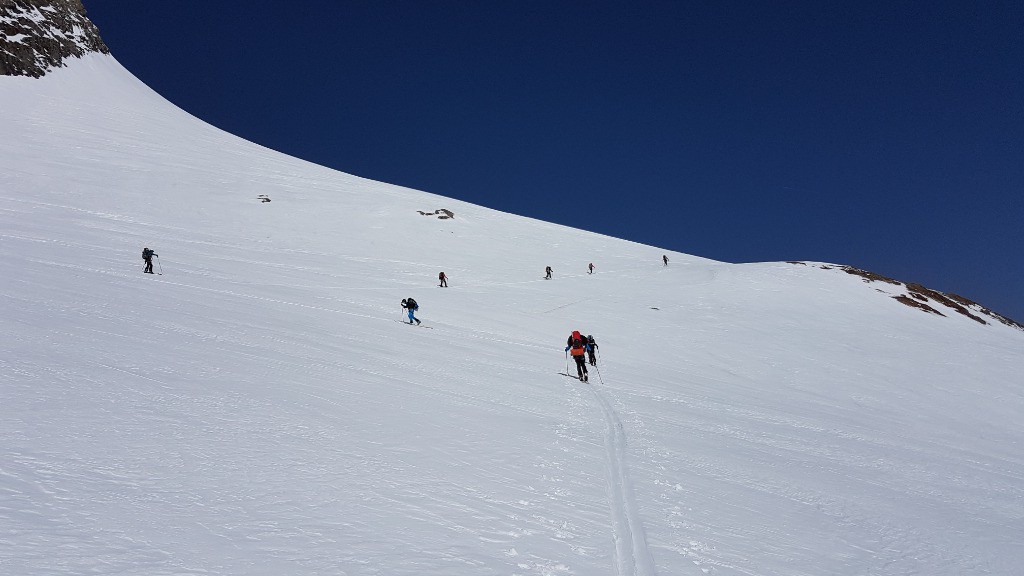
258,406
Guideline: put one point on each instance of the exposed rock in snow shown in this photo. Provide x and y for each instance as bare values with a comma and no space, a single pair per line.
921,297
38,35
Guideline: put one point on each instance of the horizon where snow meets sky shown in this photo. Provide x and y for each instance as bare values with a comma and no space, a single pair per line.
887,137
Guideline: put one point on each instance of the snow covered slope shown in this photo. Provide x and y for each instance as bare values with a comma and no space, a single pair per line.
259,409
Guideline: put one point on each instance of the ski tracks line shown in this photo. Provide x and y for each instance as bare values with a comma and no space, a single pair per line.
632,556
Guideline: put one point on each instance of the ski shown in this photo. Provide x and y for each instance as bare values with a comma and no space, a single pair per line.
414,325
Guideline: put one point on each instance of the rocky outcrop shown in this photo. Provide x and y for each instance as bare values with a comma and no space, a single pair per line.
925,299
36,36
441,213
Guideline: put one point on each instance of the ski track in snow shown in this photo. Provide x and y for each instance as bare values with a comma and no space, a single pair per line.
632,556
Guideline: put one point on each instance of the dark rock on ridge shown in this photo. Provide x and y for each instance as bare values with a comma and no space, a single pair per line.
926,299
36,36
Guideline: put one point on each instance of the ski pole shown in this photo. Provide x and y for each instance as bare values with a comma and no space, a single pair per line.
161,266
567,362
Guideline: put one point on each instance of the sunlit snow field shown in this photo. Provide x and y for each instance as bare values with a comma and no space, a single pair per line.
259,408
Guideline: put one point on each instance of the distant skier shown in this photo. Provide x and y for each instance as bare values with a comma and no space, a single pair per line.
547,273
444,280
578,346
592,350
664,258
590,268
411,305
147,257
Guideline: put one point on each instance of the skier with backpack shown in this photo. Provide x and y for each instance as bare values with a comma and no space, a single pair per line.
411,305
578,346
592,350
147,257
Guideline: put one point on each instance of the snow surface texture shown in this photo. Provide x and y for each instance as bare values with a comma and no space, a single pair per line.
258,409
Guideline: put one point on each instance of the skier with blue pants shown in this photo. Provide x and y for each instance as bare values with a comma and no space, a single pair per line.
411,305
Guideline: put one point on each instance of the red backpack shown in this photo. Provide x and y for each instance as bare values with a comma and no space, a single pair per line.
576,343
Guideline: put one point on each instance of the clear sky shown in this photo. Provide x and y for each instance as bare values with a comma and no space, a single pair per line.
885,135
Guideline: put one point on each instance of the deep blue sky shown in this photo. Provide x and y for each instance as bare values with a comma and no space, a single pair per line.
885,135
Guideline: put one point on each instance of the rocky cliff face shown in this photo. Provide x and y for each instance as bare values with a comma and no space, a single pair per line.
38,35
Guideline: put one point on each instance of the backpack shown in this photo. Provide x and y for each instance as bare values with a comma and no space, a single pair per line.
590,340
411,304
577,343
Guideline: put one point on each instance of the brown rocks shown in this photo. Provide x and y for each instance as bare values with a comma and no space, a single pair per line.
38,35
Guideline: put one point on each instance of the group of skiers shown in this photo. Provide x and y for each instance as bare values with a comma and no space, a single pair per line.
583,348
590,267
147,257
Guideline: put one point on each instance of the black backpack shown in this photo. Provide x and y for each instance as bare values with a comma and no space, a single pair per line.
411,304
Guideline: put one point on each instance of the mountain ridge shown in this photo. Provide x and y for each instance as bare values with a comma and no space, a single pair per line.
923,298
40,34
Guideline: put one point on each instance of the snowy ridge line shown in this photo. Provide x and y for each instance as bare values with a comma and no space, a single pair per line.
632,556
